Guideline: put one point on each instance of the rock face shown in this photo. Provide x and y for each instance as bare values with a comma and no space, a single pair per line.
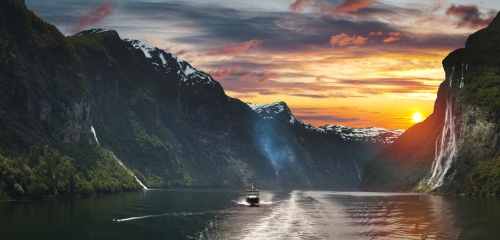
456,148
42,91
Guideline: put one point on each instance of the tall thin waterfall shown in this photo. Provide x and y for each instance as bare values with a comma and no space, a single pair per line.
95,136
119,162
446,149
123,165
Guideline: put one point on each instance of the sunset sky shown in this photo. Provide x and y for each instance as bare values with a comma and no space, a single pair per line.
358,63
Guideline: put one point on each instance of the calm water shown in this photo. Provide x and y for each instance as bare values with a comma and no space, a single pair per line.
221,214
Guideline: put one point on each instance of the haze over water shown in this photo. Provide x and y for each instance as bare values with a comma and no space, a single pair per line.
222,214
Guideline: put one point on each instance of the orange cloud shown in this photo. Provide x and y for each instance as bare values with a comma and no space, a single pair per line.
391,36
264,78
236,48
223,73
268,76
391,39
349,6
298,4
469,16
249,76
345,40
94,16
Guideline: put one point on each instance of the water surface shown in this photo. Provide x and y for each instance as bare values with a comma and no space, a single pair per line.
222,214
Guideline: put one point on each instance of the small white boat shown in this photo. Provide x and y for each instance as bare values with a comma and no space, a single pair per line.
252,196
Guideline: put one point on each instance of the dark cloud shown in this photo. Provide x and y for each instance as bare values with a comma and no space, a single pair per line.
469,16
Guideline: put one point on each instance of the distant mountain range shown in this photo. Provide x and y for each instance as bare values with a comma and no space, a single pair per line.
94,98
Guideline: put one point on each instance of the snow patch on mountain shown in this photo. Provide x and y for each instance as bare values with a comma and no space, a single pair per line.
92,31
280,111
146,48
169,63
371,134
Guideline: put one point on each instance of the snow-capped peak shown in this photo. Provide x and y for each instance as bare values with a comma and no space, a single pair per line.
279,111
371,134
92,31
274,110
276,107
166,63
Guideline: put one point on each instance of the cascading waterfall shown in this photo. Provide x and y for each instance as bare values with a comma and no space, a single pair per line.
95,136
452,70
446,149
118,160
139,181
462,78
123,165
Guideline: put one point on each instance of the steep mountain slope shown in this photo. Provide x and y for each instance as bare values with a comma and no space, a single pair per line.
45,115
169,122
306,156
456,149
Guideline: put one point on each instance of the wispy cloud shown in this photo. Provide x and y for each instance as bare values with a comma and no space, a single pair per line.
349,6
235,48
219,74
298,5
94,16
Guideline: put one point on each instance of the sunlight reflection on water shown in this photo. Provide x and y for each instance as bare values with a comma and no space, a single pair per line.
337,215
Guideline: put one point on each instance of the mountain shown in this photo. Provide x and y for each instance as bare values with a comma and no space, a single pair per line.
94,113
456,149
305,155
45,115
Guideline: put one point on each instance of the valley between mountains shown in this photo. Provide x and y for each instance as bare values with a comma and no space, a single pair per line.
94,113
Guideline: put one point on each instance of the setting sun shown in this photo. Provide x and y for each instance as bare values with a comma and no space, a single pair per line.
417,117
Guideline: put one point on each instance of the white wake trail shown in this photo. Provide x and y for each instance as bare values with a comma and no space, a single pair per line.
159,215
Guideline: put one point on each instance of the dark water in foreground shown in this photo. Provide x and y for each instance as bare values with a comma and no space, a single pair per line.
221,214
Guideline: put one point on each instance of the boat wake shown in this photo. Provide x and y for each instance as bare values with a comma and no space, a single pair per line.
159,215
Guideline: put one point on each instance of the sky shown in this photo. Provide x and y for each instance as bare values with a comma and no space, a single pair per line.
357,63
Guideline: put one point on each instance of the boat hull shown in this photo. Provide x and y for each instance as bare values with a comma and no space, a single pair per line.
253,201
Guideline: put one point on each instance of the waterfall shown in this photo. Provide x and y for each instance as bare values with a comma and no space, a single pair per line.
118,160
462,78
143,186
452,70
446,149
124,167
95,136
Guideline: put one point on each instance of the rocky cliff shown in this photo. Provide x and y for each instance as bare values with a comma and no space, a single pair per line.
456,148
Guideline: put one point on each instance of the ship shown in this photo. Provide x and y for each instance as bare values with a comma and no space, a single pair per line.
252,196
